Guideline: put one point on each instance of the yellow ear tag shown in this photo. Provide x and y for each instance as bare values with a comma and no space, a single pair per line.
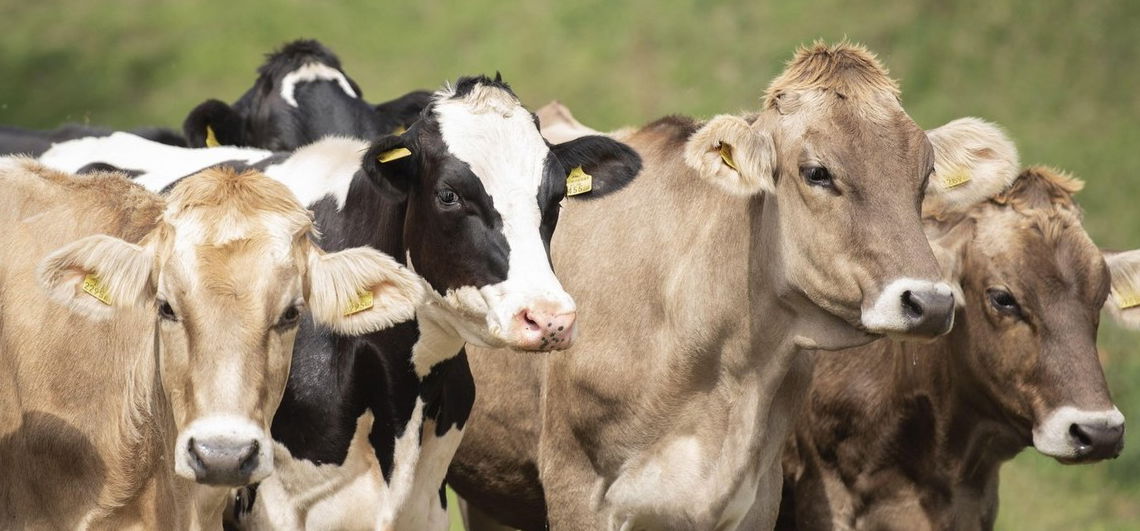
211,139
726,155
389,156
96,288
363,302
1128,300
578,182
957,178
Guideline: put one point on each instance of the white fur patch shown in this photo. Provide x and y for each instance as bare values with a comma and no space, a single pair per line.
313,72
1124,268
975,150
324,168
887,314
1052,437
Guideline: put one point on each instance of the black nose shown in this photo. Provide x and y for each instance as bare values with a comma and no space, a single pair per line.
928,312
222,461
1097,441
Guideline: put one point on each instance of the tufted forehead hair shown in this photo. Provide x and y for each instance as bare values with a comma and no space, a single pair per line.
847,69
295,55
482,95
1041,188
220,205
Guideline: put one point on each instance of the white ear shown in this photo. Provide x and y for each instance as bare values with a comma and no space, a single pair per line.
97,274
361,290
558,125
731,154
1123,302
974,160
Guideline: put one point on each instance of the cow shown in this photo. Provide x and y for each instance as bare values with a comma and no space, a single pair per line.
301,95
33,143
745,242
146,342
468,197
913,435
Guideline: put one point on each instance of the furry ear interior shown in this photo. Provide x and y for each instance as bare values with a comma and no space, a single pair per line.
729,153
213,123
1123,302
974,160
361,290
94,275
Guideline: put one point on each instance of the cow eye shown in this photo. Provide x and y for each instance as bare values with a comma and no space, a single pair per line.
289,317
166,312
817,176
1003,301
447,197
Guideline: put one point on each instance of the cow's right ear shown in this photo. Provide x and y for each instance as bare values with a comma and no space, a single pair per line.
213,123
95,275
974,160
1123,302
361,290
730,153
391,164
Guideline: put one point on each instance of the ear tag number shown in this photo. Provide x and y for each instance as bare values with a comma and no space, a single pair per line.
1128,300
390,155
956,179
211,138
726,155
96,288
362,302
578,182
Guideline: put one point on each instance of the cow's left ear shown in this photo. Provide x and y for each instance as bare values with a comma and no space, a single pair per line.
213,123
95,275
1123,302
738,157
361,290
974,160
606,165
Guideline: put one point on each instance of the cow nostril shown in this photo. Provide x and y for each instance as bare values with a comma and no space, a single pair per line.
1080,435
247,461
530,321
911,305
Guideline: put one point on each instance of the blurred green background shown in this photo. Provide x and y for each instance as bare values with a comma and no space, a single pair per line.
1062,77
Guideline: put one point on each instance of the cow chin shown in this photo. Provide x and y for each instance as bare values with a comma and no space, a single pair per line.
223,450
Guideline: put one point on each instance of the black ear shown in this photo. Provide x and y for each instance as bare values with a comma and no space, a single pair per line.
611,164
403,111
218,117
391,164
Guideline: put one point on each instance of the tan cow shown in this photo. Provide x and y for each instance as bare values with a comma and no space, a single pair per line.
745,241
912,436
140,385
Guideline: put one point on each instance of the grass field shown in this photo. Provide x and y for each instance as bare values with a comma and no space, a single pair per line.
1062,77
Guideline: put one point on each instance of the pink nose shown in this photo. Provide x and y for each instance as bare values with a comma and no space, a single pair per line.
538,330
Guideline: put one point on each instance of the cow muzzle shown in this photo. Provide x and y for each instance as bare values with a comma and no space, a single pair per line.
538,330
912,309
223,451
1074,436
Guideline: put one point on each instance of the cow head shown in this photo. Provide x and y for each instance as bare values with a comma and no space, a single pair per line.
301,95
1032,286
227,274
482,191
845,170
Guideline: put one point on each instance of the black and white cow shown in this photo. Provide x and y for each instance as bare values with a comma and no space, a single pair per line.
301,95
32,142
468,197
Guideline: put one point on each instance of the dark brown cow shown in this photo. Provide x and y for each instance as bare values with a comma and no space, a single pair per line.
912,436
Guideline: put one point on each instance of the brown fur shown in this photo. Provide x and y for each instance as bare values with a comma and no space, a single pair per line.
849,70
912,436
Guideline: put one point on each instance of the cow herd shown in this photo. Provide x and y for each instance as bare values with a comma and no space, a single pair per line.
279,318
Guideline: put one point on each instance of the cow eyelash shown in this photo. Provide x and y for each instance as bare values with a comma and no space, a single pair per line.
817,176
447,197
1004,302
166,312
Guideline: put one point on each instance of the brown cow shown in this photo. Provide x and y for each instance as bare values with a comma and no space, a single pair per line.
744,242
911,436
144,387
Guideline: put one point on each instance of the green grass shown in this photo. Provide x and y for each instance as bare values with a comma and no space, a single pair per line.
1063,77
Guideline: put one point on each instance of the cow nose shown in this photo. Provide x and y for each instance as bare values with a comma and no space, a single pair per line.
928,312
1098,440
539,330
223,461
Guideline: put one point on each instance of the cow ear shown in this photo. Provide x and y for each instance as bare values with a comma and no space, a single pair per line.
974,160
1123,302
213,123
596,165
730,153
361,290
558,125
95,275
391,164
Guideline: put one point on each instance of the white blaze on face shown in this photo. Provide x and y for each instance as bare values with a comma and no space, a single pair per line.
496,136
313,72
